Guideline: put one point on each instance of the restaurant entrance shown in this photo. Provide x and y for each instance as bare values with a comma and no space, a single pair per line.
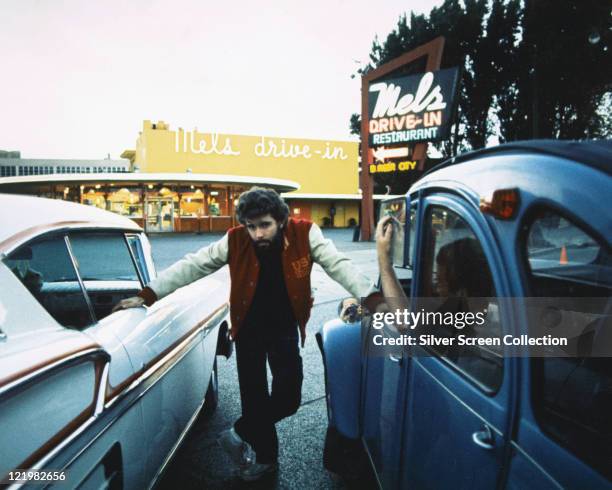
160,214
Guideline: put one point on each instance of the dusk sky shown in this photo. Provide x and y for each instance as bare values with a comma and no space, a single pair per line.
80,77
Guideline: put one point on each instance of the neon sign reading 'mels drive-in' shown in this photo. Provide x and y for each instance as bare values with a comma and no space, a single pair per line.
413,108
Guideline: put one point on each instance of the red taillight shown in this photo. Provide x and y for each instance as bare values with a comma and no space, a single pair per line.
502,204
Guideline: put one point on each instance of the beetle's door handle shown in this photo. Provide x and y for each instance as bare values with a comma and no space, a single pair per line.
397,359
484,438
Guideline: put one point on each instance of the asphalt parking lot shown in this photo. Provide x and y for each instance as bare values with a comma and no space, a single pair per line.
200,463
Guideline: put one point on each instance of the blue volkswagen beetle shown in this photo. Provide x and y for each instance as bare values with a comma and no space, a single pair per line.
516,222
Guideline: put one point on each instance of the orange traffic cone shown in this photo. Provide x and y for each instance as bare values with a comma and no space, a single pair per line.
563,257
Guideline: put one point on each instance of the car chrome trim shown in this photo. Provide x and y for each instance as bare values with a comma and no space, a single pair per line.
73,429
134,261
98,407
371,461
178,443
519,449
122,402
24,236
75,264
40,464
160,365
23,378
100,395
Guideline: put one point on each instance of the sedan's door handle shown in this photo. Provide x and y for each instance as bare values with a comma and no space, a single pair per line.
484,438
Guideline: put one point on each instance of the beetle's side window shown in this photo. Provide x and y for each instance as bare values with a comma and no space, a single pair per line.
564,260
46,270
456,275
571,274
106,268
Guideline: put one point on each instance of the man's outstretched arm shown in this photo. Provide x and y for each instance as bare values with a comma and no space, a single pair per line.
189,269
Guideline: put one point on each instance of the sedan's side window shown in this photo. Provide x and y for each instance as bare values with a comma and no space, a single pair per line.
570,272
107,268
139,257
47,271
456,276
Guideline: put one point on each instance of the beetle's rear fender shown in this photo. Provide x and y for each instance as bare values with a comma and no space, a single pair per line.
341,348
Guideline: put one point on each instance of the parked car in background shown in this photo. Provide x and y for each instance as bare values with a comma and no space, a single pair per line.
91,398
536,218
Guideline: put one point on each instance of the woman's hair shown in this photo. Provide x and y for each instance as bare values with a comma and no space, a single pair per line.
259,201
466,267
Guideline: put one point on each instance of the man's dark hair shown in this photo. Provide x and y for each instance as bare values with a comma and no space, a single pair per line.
259,201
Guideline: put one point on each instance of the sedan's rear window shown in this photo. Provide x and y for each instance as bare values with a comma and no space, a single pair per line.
46,269
78,277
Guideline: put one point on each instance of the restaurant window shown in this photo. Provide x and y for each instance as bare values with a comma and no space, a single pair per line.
217,202
191,204
571,271
456,279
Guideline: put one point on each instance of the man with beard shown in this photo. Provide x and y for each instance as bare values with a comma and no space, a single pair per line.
270,257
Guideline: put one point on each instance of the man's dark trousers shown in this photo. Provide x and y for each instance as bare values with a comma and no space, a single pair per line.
261,409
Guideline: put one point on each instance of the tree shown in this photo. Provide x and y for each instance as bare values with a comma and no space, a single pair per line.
531,68
566,67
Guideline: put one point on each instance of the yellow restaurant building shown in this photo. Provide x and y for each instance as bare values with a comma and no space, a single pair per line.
185,180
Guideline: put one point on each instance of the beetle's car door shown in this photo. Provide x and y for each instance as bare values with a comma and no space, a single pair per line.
457,397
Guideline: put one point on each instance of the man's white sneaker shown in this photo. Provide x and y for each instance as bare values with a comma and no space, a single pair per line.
238,450
254,471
